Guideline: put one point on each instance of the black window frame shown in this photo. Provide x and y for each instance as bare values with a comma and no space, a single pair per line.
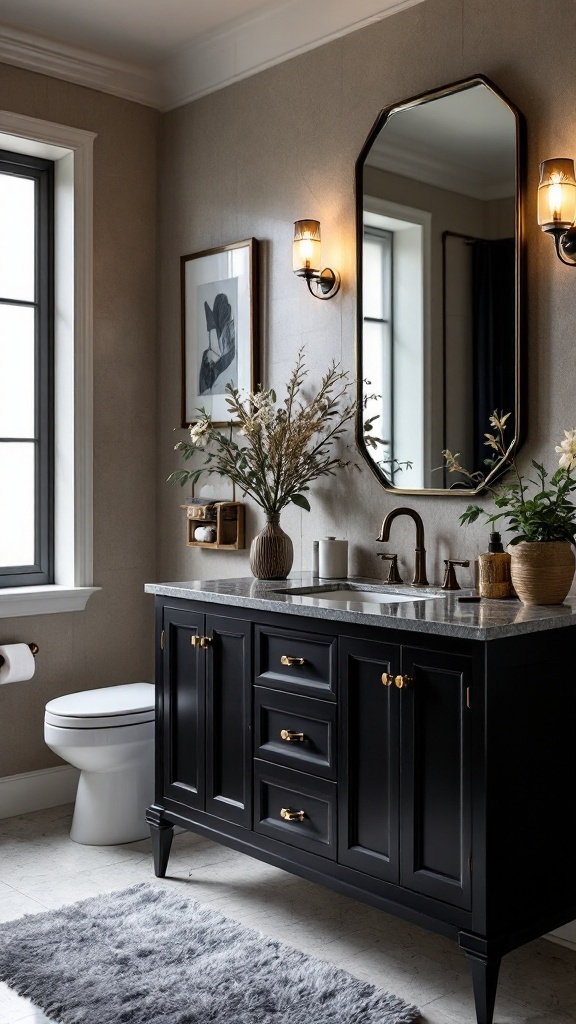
42,171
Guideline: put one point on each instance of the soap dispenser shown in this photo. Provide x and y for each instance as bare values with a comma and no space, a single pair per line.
494,578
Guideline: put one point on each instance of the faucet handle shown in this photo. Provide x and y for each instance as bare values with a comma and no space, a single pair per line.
450,581
393,574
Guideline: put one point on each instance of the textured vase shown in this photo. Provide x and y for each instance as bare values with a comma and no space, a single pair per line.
542,571
271,552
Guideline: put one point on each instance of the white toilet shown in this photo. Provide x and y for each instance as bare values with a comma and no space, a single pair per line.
108,734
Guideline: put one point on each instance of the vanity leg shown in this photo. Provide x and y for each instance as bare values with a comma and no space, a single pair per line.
162,834
484,971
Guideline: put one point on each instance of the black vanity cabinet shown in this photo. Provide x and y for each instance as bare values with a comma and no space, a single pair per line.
203,744
430,776
405,781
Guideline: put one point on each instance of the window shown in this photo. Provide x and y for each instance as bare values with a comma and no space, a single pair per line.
377,342
26,369
70,151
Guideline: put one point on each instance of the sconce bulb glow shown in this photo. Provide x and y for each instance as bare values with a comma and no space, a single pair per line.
323,284
556,195
306,247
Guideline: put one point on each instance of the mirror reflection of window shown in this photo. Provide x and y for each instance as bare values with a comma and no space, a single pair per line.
377,335
395,335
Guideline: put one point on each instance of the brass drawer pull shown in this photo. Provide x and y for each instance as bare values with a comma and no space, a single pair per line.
387,679
291,737
403,681
287,659
289,815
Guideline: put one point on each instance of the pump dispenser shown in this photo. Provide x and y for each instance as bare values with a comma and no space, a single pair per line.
494,578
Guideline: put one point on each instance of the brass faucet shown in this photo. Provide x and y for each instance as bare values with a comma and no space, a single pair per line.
420,579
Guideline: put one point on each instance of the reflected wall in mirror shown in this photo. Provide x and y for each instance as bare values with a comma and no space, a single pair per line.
439,187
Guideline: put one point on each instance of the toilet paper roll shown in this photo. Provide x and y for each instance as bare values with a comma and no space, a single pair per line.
333,558
18,664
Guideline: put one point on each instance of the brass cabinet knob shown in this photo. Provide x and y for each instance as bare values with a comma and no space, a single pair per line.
402,682
287,659
289,815
200,641
291,737
387,679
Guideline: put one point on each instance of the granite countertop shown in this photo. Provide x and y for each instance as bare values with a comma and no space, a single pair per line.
441,612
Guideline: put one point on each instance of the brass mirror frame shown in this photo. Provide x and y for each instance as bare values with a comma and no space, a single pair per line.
520,279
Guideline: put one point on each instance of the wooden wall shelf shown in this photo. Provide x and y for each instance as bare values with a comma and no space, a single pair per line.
226,518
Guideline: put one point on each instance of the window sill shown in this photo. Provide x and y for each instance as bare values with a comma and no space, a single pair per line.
16,601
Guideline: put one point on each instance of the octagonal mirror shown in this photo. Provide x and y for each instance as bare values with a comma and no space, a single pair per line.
439,197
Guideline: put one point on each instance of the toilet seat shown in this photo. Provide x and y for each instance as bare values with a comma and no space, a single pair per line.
108,707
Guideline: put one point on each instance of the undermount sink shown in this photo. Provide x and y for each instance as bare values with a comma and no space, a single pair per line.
343,593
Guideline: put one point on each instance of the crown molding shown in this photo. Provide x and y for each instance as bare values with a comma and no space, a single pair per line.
241,48
260,40
128,81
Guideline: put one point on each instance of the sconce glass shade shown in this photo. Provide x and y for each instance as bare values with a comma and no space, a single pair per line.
556,195
306,247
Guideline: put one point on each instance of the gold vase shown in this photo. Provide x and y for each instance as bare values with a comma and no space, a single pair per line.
271,551
542,571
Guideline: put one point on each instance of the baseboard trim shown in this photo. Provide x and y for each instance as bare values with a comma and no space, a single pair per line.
567,939
33,791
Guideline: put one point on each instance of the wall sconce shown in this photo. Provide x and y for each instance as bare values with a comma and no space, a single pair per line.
557,206
306,260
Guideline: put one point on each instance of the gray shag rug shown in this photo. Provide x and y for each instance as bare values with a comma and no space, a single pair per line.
149,956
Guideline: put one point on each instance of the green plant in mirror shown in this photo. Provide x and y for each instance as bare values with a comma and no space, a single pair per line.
537,508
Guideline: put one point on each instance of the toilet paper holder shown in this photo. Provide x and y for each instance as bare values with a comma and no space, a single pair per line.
33,647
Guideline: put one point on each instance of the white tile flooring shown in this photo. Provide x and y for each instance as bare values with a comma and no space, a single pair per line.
40,868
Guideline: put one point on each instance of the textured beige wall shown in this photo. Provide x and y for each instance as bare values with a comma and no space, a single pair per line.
252,158
111,641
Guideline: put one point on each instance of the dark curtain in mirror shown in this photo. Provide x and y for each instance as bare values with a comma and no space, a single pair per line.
493,334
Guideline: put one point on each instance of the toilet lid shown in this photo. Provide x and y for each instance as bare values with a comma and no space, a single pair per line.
127,704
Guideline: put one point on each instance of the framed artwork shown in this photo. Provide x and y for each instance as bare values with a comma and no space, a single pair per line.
219,297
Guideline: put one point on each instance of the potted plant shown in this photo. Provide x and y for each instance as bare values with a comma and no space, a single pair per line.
539,512
273,452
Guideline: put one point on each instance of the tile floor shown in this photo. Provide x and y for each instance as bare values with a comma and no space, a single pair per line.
40,868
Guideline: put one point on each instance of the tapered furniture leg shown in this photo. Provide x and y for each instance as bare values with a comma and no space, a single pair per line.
484,971
162,834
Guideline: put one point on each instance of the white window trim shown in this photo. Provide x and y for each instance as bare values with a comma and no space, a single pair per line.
72,151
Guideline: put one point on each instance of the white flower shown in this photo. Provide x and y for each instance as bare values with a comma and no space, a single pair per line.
265,414
567,450
197,431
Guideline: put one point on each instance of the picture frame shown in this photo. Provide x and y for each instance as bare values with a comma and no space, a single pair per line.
219,304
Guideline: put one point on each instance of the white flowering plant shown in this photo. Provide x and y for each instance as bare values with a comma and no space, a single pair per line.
273,451
545,514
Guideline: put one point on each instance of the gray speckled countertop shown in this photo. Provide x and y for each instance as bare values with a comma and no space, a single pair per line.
440,612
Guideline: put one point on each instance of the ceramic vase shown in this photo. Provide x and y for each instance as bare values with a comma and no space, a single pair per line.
271,552
542,571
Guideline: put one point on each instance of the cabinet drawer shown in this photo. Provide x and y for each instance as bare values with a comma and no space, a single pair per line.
295,731
295,661
295,808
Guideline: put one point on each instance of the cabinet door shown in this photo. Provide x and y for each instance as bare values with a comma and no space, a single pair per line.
183,695
369,757
228,736
435,810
